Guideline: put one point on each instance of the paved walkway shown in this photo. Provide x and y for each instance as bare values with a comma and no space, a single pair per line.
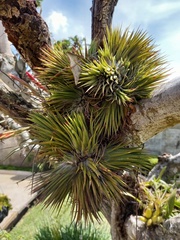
19,192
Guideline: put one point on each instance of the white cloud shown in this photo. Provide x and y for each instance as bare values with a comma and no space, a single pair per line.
63,27
144,12
57,22
164,9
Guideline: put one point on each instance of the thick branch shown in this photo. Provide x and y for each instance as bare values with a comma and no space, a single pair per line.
156,114
102,13
25,29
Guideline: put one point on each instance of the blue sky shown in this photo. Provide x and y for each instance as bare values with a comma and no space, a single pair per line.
160,18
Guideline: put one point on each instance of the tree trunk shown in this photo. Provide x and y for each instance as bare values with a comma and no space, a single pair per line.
102,13
25,29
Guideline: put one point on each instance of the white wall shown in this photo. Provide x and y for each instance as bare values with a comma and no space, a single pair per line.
166,142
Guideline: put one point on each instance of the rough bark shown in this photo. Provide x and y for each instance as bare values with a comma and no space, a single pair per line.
102,13
116,225
25,29
122,211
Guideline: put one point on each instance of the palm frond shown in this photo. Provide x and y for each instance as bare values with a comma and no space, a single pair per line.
137,52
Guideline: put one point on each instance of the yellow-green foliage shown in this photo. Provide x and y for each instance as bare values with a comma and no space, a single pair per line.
126,69
160,201
4,201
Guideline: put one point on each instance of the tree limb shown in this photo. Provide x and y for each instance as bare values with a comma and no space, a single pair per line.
156,114
25,29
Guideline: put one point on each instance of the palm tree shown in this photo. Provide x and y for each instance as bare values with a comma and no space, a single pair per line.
73,44
79,130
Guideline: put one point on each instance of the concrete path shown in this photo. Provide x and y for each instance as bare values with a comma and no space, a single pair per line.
19,193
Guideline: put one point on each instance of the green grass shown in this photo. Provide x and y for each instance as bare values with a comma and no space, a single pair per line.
9,167
40,222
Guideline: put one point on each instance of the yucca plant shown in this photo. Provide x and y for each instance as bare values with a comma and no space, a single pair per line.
86,169
79,129
57,75
126,69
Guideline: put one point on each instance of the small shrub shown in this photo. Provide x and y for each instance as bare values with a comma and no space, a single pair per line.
48,233
4,202
75,232
5,205
80,233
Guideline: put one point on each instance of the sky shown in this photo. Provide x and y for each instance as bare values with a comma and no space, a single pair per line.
160,18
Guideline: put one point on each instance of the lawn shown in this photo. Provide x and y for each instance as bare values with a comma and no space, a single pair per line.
9,167
37,219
